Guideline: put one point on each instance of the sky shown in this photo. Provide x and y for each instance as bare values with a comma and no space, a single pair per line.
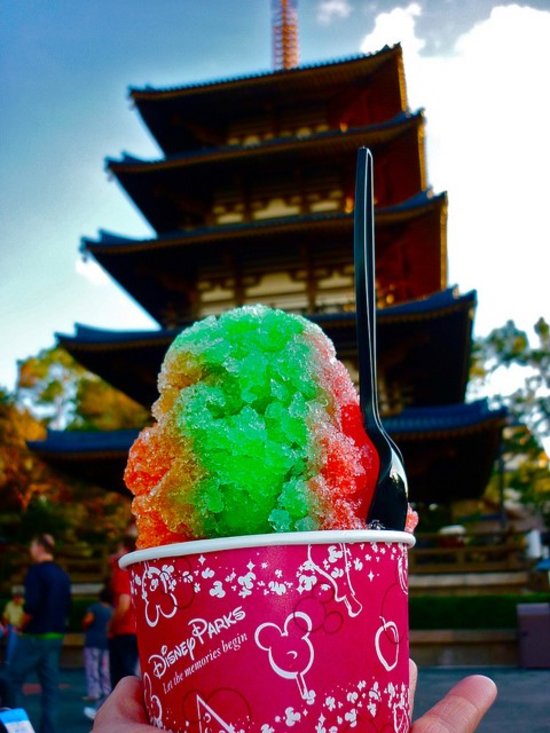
478,68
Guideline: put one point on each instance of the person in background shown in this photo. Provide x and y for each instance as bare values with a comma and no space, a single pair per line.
12,617
123,649
96,651
46,610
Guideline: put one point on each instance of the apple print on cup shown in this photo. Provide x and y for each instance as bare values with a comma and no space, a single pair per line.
386,643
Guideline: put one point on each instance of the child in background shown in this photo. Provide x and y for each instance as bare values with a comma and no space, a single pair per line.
96,652
13,618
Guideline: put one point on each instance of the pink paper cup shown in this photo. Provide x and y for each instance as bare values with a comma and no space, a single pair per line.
302,632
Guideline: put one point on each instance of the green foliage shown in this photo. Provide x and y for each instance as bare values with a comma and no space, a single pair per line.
53,391
50,516
46,385
528,403
23,476
507,347
64,395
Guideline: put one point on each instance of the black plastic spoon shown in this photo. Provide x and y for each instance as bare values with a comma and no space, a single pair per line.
389,505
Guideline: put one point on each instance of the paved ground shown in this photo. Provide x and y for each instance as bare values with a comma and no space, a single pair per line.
523,703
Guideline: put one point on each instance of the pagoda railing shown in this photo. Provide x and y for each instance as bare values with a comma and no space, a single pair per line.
434,553
469,553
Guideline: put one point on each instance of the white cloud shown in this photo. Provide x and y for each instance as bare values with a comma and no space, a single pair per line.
330,10
487,110
396,26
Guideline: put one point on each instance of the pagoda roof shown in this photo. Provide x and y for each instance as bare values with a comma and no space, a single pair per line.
181,117
167,189
145,267
423,345
349,66
111,243
448,451
97,457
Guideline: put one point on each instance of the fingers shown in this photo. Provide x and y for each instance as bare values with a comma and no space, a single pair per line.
413,677
461,710
123,711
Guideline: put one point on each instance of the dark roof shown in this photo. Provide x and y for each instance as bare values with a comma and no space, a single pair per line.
448,451
161,273
444,420
423,349
179,191
207,113
111,243
268,77
381,130
96,457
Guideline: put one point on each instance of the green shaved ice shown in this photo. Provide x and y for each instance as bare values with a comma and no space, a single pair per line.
287,424
295,498
211,497
307,524
281,521
247,420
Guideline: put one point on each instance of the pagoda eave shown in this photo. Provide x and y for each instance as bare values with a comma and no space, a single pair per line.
436,373
181,117
177,192
405,211
453,458
146,268
278,81
314,145
98,458
439,460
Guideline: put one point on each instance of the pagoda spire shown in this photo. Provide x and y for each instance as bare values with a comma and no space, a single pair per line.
286,53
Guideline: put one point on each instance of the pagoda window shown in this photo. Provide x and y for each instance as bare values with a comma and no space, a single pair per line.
250,131
325,200
215,299
276,207
295,121
335,292
325,205
301,119
227,209
279,290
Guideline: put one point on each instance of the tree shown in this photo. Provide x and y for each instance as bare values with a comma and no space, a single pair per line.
527,398
54,391
21,475
58,390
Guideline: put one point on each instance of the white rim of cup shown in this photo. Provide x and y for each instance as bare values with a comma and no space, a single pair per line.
319,537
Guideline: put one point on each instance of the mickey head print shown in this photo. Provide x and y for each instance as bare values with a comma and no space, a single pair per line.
290,651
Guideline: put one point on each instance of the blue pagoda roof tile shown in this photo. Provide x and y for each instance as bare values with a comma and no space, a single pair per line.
90,334
65,441
107,240
423,306
443,418
127,159
421,421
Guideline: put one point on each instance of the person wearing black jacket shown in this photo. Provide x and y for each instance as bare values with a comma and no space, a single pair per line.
47,605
